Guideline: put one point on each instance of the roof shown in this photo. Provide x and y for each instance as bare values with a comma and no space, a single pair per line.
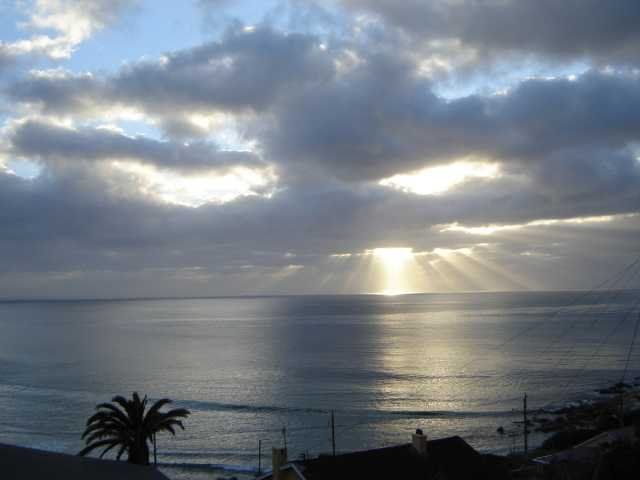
457,459
587,450
19,463
610,436
452,457
401,461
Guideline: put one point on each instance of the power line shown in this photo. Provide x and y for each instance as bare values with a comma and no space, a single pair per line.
594,322
595,354
550,317
620,277
612,283
570,327
633,341
614,280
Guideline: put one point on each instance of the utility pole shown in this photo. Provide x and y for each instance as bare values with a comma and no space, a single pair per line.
525,425
259,457
284,436
621,405
333,434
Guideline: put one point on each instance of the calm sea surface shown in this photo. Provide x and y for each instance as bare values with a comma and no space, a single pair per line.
247,367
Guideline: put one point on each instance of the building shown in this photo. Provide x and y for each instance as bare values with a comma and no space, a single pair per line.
594,458
18,463
443,459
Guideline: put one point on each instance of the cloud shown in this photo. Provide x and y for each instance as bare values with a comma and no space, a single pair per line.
48,142
381,119
72,21
245,70
333,117
95,226
97,207
358,125
604,31
6,58
59,92
372,119
213,3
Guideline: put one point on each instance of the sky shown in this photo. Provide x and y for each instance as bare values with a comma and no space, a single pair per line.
214,147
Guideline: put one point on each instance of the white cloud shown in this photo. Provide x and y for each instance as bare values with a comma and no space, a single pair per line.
491,229
70,21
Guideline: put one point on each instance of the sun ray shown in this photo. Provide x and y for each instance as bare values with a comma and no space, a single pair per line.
445,264
361,277
395,264
490,276
512,280
435,280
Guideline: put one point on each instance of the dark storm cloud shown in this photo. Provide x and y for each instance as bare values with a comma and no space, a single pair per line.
568,28
48,142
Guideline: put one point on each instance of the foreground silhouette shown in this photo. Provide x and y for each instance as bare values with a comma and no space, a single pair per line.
125,424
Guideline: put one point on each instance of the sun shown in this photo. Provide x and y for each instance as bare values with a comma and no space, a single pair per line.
393,257
394,262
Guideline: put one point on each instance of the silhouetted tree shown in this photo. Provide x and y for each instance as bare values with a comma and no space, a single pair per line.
125,424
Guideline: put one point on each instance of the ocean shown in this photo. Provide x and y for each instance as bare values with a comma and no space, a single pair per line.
249,368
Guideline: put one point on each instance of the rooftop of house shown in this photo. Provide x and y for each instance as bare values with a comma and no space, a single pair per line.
401,461
447,458
29,464
585,451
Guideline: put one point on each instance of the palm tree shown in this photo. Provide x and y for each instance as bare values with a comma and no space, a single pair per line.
124,424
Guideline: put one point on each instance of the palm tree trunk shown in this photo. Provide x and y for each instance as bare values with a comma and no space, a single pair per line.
139,453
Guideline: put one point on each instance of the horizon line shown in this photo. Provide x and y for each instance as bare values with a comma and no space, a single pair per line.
282,295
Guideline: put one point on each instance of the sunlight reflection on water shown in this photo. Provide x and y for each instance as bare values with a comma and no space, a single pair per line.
246,367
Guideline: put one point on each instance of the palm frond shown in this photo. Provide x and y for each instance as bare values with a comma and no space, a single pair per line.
110,409
114,444
127,424
103,434
103,414
104,424
93,446
178,412
167,428
123,449
155,408
172,422
126,405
